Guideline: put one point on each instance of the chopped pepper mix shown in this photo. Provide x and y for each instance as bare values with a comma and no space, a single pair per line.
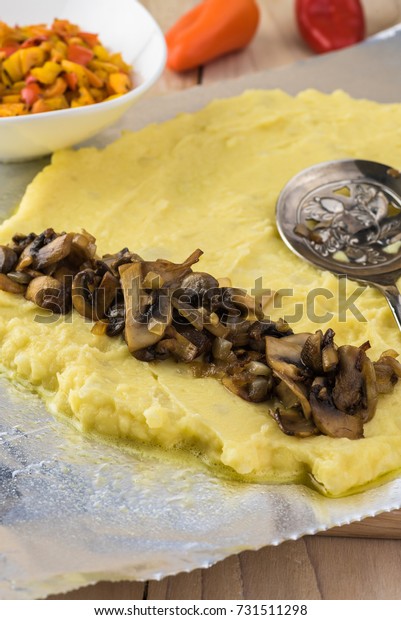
54,68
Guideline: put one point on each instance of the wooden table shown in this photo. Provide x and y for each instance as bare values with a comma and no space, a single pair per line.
359,561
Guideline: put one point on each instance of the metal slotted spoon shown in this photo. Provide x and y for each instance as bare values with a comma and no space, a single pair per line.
345,216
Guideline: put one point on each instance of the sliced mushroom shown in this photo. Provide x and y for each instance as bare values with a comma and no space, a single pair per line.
260,329
20,242
202,340
311,354
387,371
92,295
293,423
48,293
160,313
329,352
123,257
137,305
348,391
83,249
370,390
19,277
180,347
198,286
299,391
52,252
283,355
10,286
199,318
330,420
171,272
31,250
115,319
253,388
8,259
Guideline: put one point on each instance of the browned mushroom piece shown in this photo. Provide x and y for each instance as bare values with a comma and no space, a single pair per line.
284,355
222,349
299,391
349,389
48,293
387,371
52,252
198,286
10,286
123,257
311,354
260,329
138,303
8,259
249,306
202,340
31,250
92,294
178,346
169,272
200,318
233,302
249,387
330,420
329,352
20,242
292,422
115,317
83,249
20,277
371,394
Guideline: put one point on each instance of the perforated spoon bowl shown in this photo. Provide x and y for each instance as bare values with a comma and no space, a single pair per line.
345,216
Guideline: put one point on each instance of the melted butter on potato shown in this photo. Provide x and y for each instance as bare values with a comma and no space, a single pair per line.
207,180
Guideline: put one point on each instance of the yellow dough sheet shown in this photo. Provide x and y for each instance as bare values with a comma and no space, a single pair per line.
208,180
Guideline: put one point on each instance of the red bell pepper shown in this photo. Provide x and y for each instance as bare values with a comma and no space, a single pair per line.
328,25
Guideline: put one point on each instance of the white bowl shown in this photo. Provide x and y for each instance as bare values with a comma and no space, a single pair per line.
123,26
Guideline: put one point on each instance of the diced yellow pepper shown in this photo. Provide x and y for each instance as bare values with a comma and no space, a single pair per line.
98,94
31,57
11,99
40,106
54,90
85,98
105,66
12,109
101,53
12,66
48,73
117,59
119,83
57,103
79,70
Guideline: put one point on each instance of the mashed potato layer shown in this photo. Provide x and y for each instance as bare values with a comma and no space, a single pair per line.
207,180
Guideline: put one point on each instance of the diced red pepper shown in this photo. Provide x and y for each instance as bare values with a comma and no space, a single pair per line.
72,80
33,41
80,55
30,93
9,49
89,38
31,79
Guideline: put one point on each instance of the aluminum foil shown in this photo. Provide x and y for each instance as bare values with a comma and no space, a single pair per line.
74,509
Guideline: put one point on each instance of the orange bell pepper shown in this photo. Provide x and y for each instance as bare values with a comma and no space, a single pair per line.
209,30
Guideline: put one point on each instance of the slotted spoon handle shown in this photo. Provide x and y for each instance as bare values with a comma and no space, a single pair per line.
393,296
